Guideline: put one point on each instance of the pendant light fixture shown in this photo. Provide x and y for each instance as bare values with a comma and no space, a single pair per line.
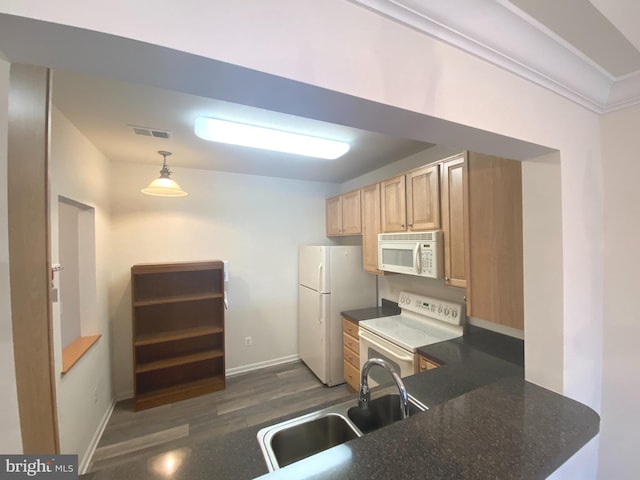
164,186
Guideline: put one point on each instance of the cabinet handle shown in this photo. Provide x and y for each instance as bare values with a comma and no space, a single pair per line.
411,225
402,225
446,279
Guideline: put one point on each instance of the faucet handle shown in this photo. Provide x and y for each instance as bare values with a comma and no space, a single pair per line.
364,396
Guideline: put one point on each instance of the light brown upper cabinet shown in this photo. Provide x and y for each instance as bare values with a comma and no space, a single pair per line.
411,201
393,204
370,227
482,224
455,223
423,198
343,215
334,216
495,288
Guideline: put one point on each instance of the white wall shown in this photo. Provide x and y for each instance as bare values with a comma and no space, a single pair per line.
11,439
620,435
543,275
85,395
256,223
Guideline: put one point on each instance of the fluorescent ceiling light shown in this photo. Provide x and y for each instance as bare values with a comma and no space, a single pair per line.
245,135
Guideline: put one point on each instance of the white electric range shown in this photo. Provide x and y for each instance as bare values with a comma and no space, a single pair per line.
422,321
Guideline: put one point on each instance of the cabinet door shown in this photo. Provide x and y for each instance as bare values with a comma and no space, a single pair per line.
495,290
351,219
393,204
423,198
333,213
455,223
370,227
425,364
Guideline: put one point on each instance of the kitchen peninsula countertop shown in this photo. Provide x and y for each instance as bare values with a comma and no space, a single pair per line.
484,421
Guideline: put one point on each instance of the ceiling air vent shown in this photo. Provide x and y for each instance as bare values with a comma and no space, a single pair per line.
150,132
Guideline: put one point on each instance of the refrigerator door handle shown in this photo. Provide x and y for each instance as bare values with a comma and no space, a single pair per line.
320,286
320,319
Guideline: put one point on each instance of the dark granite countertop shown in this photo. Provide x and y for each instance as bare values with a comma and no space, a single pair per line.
509,429
484,421
387,309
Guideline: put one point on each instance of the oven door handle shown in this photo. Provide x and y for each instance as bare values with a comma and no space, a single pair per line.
367,337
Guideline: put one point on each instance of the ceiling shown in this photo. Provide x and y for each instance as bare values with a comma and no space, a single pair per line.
593,29
105,110
586,51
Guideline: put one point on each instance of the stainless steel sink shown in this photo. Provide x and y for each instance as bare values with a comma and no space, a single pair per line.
298,438
382,411
303,440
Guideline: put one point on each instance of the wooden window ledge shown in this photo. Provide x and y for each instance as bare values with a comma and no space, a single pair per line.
75,350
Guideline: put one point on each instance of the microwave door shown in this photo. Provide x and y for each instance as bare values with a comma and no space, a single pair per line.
400,258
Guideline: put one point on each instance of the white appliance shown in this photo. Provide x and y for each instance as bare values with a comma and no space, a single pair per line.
331,280
414,253
422,321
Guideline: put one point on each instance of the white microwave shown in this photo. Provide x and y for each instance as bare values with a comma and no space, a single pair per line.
413,253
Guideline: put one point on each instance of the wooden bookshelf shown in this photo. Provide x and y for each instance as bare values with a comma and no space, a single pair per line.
178,331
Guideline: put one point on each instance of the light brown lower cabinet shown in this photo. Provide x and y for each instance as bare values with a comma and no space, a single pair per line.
423,364
351,352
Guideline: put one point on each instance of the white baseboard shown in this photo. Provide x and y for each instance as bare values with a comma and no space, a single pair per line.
124,395
230,372
85,462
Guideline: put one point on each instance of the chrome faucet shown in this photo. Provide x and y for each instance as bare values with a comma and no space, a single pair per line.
365,395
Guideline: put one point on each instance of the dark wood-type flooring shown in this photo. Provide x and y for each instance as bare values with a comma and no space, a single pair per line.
248,400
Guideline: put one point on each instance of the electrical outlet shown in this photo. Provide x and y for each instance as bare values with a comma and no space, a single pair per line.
247,341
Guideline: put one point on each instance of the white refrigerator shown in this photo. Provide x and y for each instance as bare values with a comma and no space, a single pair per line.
331,280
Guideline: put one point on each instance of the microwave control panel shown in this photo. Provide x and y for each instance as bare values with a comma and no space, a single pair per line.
427,259
431,264
443,310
